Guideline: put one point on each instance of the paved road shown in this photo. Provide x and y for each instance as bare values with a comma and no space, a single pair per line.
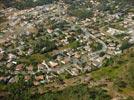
104,48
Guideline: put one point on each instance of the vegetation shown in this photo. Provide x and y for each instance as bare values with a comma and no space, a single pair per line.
79,92
44,45
34,59
130,74
17,90
125,45
2,19
106,72
114,6
61,25
119,70
120,36
117,26
80,11
74,44
31,3
1,33
96,46
133,18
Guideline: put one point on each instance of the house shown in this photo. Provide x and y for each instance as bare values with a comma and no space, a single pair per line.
96,63
70,53
29,69
11,57
87,48
2,14
76,55
53,64
2,78
42,82
66,60
59,58
117,52
40,67
88,68
110,52
1,50
27,78
31,29
87,79
19,67
49,30
78,67
36,83
112,44
108,56
112,48
13,79
40,77
113,31
9,65
74,71
46,66
30,51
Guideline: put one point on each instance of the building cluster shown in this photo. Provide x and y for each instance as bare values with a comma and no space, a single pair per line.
72,53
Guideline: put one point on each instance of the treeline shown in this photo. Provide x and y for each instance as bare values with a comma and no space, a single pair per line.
23,4
79,92
114,6
31,3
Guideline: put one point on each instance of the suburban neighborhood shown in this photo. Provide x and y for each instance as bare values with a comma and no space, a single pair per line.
45,43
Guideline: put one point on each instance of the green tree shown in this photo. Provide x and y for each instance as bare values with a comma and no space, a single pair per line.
125,45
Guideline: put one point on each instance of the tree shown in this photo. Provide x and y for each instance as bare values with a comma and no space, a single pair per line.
125,45
74,44
96,46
